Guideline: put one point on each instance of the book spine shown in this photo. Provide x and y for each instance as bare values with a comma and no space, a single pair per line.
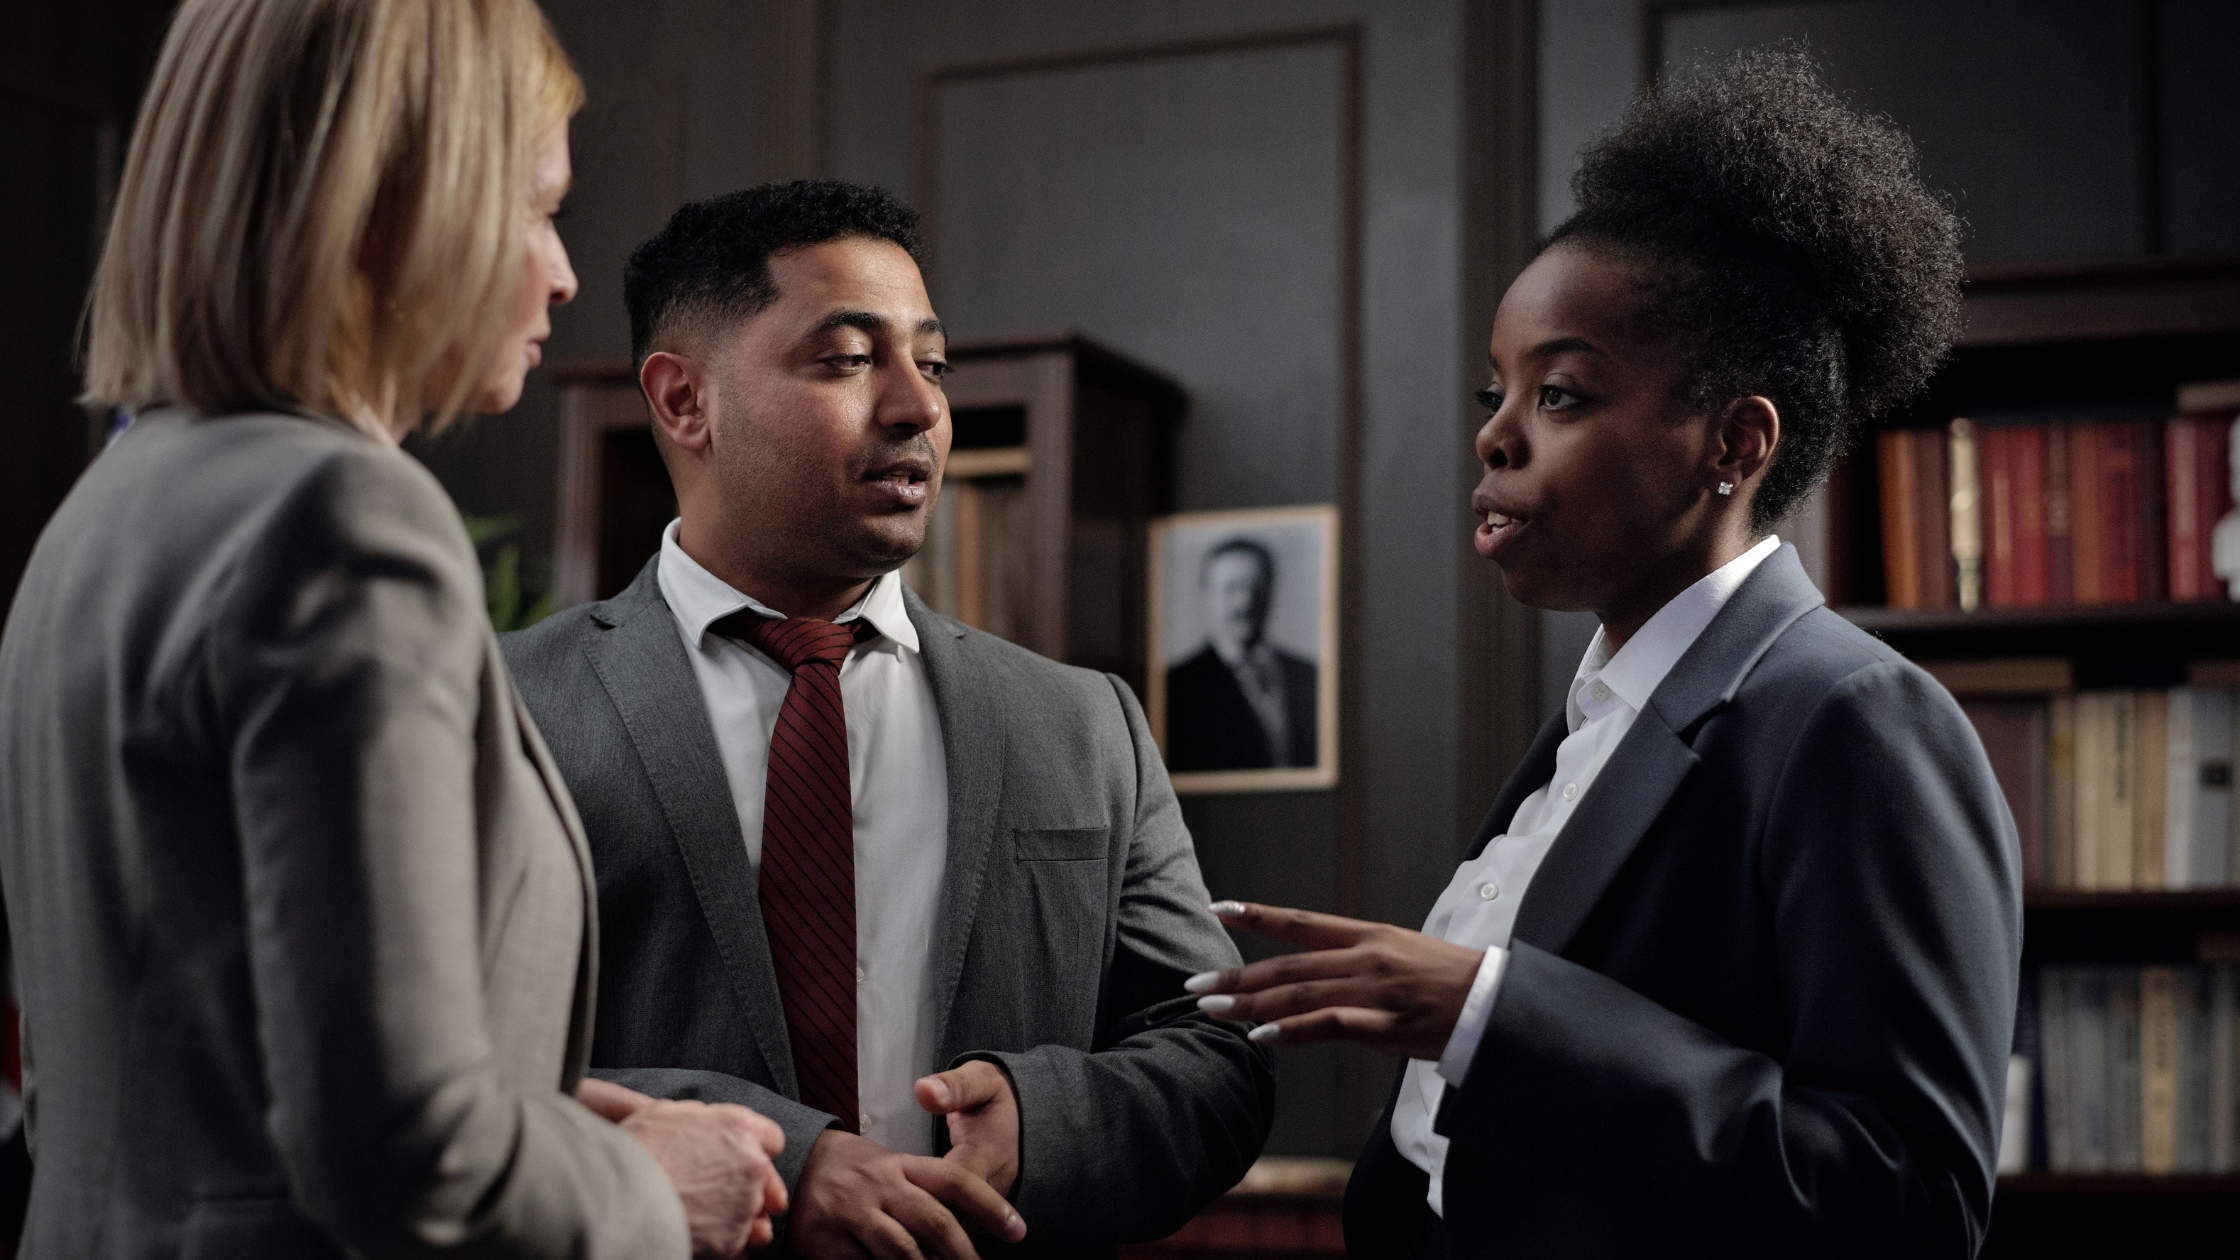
2212,789
1932,480
1901,551
2224,1068
2151,523
2119,807
2088,1064
2152,709
2059,524
2180,768
1995,472
2092,777
2193,1070
2026,459
2084,513
2061,791
2158,1069
2119,514
2126,1083
2056,1071
2190,576
1966,490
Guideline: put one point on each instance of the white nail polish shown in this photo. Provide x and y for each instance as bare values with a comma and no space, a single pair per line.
1265,1032
1227,909
1216,1004
1201,982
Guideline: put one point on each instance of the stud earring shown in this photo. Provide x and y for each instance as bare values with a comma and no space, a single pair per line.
1726,487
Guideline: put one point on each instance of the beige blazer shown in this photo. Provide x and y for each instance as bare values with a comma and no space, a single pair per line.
302,913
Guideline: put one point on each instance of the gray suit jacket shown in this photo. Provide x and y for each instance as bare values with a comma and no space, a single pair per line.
302,915
1761,991
1073,911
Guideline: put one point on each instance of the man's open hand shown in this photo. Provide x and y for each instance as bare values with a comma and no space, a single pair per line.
856,1196
983,1119
1386,987
717,1156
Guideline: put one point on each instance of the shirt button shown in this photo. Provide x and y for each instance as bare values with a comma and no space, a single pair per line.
860,976
1600,690
863,1121
1488,891
1571,791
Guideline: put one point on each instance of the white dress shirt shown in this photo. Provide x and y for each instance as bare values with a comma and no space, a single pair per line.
1479,907
898,780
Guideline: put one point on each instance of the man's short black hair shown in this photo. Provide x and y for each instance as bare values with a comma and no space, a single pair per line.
711,261
1788,241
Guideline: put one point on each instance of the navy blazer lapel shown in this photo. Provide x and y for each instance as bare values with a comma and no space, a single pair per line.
1649,764
973,741
634,648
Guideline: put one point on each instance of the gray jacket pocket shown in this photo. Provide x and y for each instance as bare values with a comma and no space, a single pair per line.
228,1229
1061,844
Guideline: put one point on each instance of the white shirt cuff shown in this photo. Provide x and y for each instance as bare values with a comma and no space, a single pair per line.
1470,1026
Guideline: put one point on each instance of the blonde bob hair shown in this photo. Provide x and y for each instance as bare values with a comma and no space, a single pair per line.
324,206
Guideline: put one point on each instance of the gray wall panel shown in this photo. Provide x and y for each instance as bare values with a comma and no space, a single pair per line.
1185,212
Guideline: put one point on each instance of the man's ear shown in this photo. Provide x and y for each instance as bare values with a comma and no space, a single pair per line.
678,387
1749,429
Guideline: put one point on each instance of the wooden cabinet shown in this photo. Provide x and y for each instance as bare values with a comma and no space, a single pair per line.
1060,460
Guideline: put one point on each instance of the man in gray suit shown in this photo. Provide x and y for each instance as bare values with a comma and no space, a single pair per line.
843,842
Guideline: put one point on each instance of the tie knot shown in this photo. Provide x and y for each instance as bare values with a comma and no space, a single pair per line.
796,641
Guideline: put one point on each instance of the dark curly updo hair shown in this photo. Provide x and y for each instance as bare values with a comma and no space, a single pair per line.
1790,243
711,263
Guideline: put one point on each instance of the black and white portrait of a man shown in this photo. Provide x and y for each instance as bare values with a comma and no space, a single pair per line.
1241,684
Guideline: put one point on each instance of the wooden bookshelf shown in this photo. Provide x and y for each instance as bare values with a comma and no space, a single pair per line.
2045,337
1061,452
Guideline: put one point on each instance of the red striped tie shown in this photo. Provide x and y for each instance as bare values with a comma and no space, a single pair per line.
808,877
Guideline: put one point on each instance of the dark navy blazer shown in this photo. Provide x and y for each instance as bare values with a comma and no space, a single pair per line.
1761,992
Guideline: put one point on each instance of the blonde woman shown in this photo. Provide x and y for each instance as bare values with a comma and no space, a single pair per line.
303,914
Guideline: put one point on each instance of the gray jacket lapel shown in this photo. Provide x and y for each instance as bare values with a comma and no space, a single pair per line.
634,648
972,737
1649,764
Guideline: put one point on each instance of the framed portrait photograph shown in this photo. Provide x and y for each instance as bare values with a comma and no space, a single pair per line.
1243,672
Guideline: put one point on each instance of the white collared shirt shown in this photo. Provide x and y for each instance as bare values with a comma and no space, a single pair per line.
898,780
1479,907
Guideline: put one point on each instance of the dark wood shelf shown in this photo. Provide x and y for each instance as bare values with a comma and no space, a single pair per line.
2110,645
2069,900
2148,297
2119,1184
1885,620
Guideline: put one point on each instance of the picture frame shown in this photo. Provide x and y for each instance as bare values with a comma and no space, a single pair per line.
1242,676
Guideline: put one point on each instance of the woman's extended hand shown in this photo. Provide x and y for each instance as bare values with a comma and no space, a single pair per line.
1386,987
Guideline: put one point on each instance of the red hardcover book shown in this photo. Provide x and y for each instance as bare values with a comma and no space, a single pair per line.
2150,512
2060,520
2199,486
2122,557
1995,479
2026,464
2084,513
1932,483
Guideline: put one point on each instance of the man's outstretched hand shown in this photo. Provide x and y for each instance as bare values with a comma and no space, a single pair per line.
983,1119
1386,987
856,1197
717,1156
